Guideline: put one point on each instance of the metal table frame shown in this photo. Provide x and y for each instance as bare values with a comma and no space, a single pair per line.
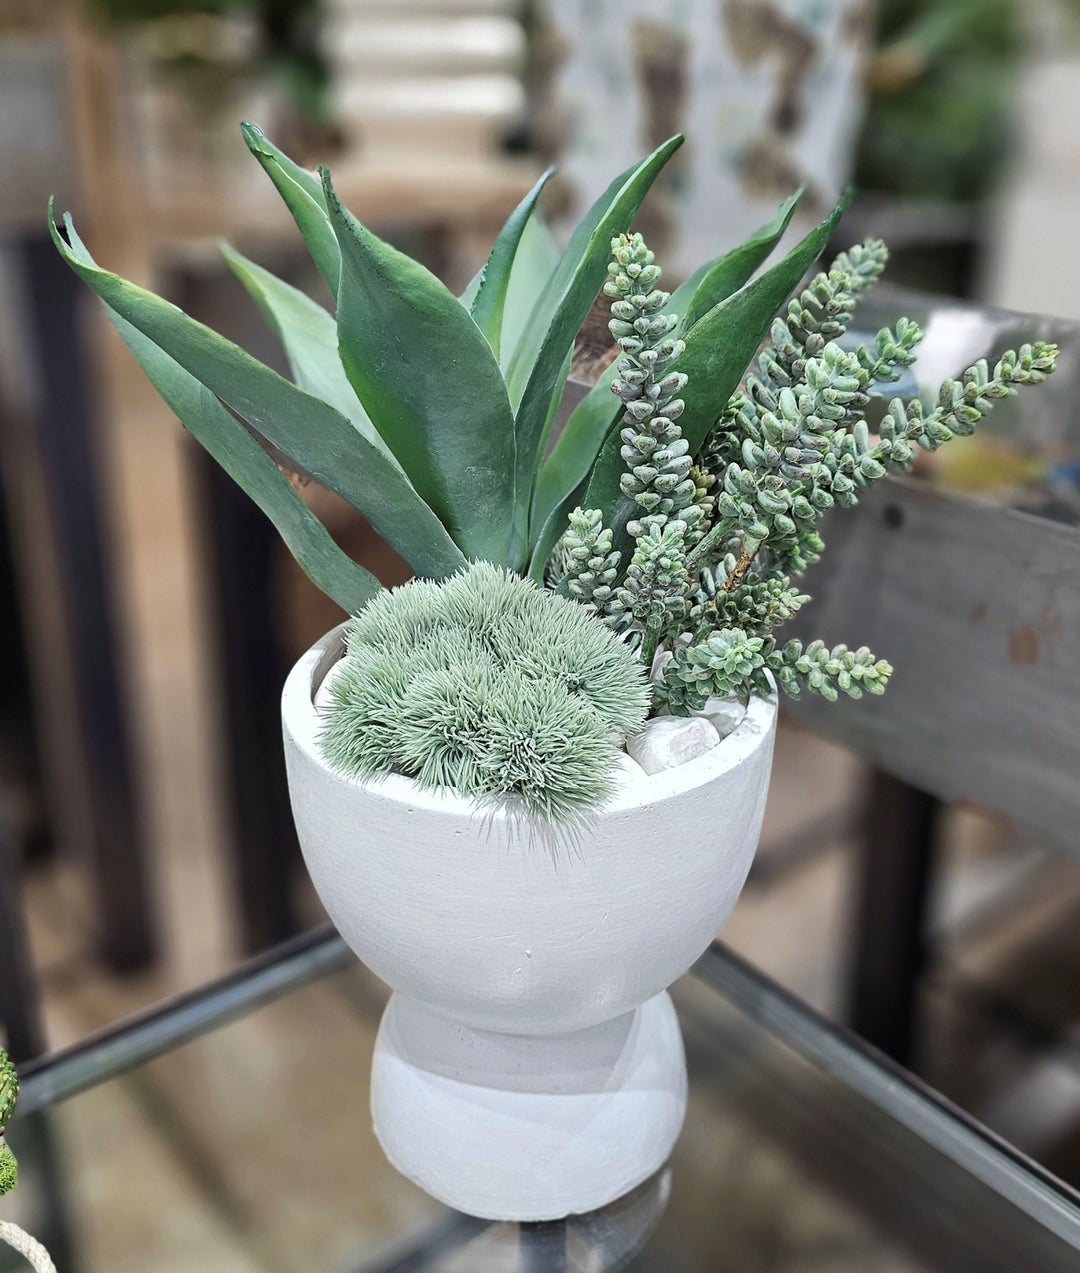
135,1040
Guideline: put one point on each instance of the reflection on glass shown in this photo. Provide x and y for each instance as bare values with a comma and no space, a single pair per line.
250,1151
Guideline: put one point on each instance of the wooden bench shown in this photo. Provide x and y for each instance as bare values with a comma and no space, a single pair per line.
977,604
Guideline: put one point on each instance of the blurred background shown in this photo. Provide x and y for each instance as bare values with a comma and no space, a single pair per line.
148,614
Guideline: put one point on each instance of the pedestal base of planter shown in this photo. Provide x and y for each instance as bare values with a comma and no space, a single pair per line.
528,1127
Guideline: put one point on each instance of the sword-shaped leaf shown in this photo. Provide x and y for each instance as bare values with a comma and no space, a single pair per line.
430,384
719,348
309,336
535,262
241,456
534,378
315,436
303,195
489,303
716,280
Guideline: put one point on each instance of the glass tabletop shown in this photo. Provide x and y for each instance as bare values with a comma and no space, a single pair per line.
244,1146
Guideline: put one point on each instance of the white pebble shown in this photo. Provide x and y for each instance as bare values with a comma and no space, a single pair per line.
667,741
725,713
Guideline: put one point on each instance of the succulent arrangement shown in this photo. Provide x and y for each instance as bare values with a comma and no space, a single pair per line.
677,504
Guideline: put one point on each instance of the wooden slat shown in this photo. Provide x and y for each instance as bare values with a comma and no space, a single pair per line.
978,608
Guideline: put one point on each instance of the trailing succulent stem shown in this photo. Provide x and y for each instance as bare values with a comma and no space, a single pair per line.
655,595
722,535
729,660
961,404
652,602
588,563
658,476
754,604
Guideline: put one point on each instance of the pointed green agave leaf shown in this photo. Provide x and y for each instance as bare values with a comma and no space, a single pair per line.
533,265
241,456
469,294
717,280
303,195
590,242
431,385
309,336
551,531
535,261
534,377
596,414
309,431
720,345
489,303
719,348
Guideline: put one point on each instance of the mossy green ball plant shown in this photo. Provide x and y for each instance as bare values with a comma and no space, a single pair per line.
490,686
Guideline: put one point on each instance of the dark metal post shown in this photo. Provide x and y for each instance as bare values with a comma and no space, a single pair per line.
895,874
20,1016
238,553
20,1007
16,698
66,440
543,1247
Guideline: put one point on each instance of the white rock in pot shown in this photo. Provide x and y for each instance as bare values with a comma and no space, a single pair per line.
726,714
667,741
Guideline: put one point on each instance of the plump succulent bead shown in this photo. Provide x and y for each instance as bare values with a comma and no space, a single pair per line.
589,564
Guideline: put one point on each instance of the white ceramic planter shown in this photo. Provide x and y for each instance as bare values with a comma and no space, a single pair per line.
530,1065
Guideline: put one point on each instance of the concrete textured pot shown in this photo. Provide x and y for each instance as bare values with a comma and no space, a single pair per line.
529,1065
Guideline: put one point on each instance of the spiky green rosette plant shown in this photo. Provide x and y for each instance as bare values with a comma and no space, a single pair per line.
488,685
678,511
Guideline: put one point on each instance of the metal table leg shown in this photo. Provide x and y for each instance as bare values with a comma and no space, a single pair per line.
20,1015
896,870
543,1247
66,442
239,548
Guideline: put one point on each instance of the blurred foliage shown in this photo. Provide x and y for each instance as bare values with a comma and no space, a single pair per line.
941,91
288,31
132,12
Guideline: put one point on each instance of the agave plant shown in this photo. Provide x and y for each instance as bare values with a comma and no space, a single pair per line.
432,414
